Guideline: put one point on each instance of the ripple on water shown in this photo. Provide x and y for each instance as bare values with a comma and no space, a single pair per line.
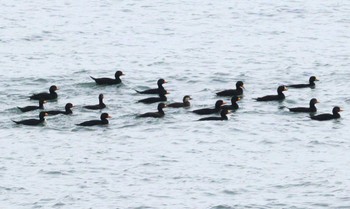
174,162
223,207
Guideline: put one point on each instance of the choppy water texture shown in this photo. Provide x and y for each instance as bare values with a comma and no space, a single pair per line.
263,157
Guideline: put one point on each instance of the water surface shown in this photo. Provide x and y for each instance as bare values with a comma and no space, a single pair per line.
263,157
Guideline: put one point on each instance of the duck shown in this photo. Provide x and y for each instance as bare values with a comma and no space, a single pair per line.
185,102
326,116
233,105
233,92
150,100
99,106
310,109
279,97
33,122
67,111
158,114
46,96
207,111
158,90
223,116
31,108
109,81
311,83
103,121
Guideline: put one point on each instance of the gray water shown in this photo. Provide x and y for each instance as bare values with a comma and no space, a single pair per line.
262,157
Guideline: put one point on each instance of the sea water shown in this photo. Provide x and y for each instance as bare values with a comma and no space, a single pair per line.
262,157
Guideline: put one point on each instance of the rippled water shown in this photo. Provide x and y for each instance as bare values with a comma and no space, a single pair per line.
263,157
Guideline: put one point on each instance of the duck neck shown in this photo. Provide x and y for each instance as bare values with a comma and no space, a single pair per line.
117,78
336,114
312,105
280,93
161,111
234,104
160,86
52,91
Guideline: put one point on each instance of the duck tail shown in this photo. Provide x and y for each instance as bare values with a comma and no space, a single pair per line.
15,122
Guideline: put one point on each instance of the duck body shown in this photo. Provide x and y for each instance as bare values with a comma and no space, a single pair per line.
322,117
298,86
67,111
106,81
158,114
310,109
233,105
271,98
311,83
109,81
150,100
33,122
99,106
93,123
31,108
207,111
46,96
185,103
103,121
223,116
233,92
95,107
303,109
159,90
280,96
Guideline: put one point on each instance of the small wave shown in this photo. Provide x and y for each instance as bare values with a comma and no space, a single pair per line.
58,205
230,192
142,207
52,172
222,207
12,189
